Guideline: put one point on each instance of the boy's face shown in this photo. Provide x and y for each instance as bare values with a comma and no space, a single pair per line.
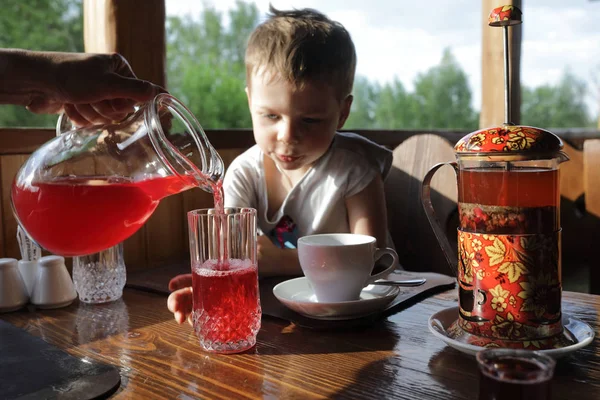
294,127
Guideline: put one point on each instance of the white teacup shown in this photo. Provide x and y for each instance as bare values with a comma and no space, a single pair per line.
339,265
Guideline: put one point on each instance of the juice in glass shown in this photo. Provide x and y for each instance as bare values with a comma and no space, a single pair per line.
227,311
226,306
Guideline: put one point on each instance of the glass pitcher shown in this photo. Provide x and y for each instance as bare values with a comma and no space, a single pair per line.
90,188
508,263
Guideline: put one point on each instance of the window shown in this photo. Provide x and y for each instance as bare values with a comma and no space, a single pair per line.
419,64
53,25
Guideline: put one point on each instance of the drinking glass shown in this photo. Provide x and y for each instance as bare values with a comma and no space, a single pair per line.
226,307
514,374
100,277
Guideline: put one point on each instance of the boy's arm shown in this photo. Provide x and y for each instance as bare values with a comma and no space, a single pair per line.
273,261
367,213
240,186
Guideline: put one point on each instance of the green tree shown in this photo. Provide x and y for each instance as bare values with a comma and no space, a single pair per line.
556,106
444,97
205,61
365,100
52,25
397,108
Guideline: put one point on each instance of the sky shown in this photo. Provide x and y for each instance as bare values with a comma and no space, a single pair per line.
402,38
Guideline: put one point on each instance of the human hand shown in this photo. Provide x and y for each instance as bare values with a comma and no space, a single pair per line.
91,88
180,301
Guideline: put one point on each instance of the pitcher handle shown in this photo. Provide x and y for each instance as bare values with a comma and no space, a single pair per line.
438,230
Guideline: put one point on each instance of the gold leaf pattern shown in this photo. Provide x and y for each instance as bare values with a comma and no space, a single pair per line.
498,291
537,293
496,252
513,269
520,141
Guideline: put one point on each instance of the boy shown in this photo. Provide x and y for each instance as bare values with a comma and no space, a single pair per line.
302,176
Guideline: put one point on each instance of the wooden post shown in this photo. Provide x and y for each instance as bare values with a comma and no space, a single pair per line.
136,30
133,28
492,67
591,184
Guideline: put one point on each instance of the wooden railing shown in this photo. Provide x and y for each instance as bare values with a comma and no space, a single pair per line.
164,236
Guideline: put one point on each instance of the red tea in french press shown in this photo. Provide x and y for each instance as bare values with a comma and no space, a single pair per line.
508,263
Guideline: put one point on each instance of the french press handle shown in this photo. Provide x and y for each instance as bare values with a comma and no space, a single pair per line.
438,230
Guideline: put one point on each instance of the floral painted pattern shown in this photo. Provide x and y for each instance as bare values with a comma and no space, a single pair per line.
505,15
461,331
509,138
509,285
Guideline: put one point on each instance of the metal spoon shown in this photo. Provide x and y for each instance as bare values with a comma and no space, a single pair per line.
406,283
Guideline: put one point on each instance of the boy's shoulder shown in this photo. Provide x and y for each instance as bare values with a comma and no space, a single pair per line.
355,142
251,157
348,144
248,164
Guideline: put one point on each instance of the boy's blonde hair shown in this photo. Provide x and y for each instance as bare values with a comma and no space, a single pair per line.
300,46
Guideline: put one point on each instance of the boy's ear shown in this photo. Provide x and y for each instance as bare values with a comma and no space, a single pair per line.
247,95
345,112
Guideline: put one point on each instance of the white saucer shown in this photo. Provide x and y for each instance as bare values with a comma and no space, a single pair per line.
577,332
297,295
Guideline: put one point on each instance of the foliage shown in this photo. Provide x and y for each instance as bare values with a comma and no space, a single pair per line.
53,25
441,99
206,67
560,106
363,105
444,97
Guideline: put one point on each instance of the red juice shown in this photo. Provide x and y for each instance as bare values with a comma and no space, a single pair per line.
515,188
217,190
517,201
227,309
78,216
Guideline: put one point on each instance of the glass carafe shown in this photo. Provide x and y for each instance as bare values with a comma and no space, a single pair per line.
508,263
90,188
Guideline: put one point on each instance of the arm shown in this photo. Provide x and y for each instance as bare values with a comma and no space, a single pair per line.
273,261
240,186
89,88
367,213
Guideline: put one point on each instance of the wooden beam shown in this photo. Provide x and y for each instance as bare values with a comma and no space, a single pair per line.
492,67
23,140
27,140
136,30
133,28
591,176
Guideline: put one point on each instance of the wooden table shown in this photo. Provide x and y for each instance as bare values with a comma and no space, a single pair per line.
395,358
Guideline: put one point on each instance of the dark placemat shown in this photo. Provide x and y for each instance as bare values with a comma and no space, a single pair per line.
157,280
30,368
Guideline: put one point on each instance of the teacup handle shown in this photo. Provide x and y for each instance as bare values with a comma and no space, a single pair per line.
395,263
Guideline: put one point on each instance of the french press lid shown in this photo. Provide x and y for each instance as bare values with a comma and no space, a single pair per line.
525,141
